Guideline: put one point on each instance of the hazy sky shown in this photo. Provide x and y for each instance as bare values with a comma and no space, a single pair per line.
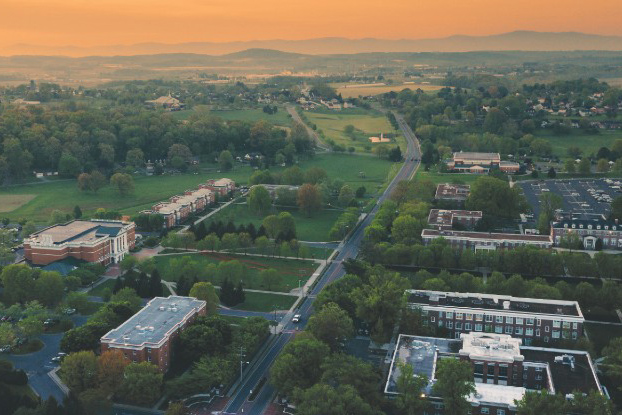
105,22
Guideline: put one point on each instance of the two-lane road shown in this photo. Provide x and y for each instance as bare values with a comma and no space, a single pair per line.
239,403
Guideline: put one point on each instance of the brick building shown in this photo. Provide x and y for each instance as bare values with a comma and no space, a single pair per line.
148,335
178,208
222,186
589,229
503,370
469,162
485,240
98,241
529,319
452,192
442,219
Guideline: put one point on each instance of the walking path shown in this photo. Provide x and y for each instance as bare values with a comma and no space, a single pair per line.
213,212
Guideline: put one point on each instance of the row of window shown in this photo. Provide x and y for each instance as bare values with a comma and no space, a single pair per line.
489,318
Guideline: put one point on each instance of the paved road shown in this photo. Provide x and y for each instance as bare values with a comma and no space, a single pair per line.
238,403
296,117
38,364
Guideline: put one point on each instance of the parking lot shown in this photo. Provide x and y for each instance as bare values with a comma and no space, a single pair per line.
579,195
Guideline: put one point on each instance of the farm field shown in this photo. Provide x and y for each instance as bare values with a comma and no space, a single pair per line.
313,229
589,143
281,118
291,270
366,124
9,203
354,90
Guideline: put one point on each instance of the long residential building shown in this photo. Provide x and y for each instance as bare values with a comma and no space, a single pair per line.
469,162
178,208
529,319
485,240
98,241
503,370
148,336
442,219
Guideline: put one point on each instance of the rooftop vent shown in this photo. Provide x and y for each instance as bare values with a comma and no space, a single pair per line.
506,305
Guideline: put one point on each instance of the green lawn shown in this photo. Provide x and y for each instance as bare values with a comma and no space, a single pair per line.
99,290
291,270
367,123
64,195
601,334
315,228
589,143
368,171
446,177
37,201
281,118
266,302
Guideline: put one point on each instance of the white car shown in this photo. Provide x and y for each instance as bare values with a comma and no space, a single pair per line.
296,318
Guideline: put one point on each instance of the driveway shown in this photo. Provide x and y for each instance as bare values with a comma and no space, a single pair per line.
38,364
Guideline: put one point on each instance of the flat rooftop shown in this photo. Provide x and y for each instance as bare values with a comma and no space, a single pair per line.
154,322
496,302
510,237
78,231
452,191
476,156
489,347
566,379
444,218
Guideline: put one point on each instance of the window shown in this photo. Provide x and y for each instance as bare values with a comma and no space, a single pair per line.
458,316
485,411
479,317
530,321
500,411
503,371
432,319
556,334
508,330
529,331
539,322
538,377
498,329
478,368
574,335
450,325
467,326
499,319
519,320
509,320
449,314
546,339
458,326
566,325
478,327
537,332
547,329
491,370
469,316
575,325
519,331
488,318
440,314
557,324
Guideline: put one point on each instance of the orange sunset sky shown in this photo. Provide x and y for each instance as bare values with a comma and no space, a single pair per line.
106,22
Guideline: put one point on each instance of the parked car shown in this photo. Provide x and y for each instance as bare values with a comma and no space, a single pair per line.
69,311
5,349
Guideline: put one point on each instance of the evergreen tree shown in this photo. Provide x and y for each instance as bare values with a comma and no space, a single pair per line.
227,293
77,212
250,229
143,285
240,295
230,228
129,280
241,228
118,284
261,232
155,284
200,231
183,285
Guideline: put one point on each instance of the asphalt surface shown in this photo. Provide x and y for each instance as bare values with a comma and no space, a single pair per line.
574,193
38,364
239,404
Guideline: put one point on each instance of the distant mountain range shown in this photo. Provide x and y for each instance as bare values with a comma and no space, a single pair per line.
516,41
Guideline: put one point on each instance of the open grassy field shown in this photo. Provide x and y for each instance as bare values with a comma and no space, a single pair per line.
446,177
37,201
356,90
313,229
9,203
266,302
281,118
64,195
366,124
291,270
589,143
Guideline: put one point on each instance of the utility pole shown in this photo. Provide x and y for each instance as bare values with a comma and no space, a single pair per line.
242,356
